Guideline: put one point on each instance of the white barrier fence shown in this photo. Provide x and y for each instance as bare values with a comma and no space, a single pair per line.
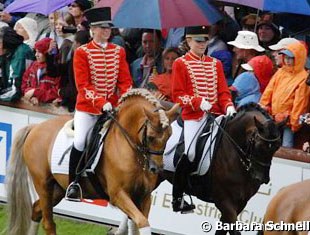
162,219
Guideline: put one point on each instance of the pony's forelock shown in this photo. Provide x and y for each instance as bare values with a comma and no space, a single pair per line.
150,98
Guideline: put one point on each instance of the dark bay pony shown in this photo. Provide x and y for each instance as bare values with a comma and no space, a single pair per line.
290,205
240,165
138,134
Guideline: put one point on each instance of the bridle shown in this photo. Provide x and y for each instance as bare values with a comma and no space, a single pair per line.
142,148
246,156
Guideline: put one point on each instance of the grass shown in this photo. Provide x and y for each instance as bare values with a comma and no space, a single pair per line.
64,226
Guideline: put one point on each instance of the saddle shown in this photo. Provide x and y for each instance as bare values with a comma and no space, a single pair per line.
206,133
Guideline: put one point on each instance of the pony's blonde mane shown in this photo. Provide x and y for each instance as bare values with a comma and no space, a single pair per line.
150,98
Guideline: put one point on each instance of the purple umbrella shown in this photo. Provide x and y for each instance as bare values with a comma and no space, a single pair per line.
159,14
286,6
44,7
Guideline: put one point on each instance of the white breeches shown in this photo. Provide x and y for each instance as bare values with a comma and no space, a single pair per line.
192,130
83,122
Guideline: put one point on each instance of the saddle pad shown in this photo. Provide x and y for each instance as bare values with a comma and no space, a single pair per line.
207,154
63,144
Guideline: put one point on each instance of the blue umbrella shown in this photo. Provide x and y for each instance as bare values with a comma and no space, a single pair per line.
44,7
286,6
159,14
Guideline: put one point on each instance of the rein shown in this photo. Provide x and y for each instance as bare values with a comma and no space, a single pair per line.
246,158
143,148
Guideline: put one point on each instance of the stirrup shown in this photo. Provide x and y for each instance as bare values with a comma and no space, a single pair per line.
180,205
79,192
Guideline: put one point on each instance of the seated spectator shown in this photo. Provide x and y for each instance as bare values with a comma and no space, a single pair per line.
263,70
63,38
15,56
245,48
161,83
287,95
143,67
28,29
37,85
276,48
268,34
67,88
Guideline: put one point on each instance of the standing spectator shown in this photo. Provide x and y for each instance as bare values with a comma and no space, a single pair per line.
28,29
268,34
263,70
215,42
161,83
174,38
37,85
245,48
143,67
287,95
101,76
197,91
15,56
278,47
77,8
249,21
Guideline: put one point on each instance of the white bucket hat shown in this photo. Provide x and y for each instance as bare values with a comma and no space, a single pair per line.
247,40
283,43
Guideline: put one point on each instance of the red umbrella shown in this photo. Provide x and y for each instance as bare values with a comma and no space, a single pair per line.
159,14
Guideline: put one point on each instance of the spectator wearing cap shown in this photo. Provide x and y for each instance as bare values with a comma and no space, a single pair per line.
287,95
37,84
77,8
276,48
268,33
246,46
28,29
199,86
15,56
101,77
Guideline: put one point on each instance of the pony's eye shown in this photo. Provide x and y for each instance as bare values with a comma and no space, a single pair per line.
151,138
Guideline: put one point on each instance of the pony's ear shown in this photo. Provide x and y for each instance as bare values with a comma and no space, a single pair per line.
259,125
174,112
282,124
152,116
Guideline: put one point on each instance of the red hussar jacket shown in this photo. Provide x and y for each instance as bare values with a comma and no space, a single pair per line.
101,75
194,78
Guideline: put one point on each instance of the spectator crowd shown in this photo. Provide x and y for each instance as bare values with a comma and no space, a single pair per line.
260,64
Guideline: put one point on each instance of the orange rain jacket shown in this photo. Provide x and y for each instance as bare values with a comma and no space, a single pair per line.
287,93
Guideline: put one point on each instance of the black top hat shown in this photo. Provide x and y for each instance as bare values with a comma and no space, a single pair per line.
99,16
198,33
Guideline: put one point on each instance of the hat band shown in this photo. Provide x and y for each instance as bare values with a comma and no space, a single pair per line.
196,35
101,22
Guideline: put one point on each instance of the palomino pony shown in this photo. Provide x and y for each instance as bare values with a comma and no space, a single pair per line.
137,136
240,165
290,205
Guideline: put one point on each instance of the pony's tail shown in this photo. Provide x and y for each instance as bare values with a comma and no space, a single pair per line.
18,194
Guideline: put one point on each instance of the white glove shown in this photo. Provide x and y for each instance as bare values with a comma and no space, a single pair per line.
107,107
205,105
230,111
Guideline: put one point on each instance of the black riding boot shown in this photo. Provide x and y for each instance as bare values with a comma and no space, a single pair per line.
73,192
179,184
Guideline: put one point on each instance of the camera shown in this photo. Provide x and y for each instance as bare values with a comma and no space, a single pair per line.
69,29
